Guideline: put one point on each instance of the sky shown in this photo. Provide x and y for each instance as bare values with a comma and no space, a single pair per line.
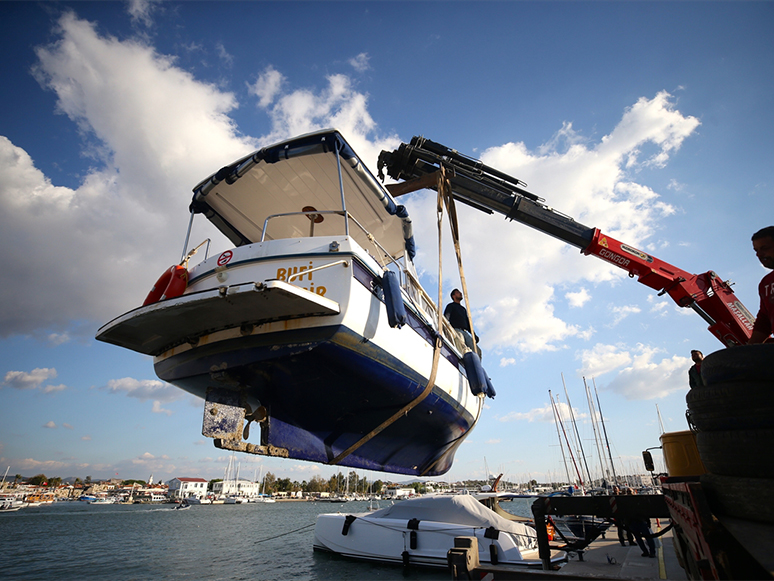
649,120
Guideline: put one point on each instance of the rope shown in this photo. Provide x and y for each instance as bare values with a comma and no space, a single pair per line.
436,348
285,534
445,186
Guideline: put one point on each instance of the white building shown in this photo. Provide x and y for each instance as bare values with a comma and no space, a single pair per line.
186,487
398,492
239,487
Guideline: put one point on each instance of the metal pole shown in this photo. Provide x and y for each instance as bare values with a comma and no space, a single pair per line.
341,189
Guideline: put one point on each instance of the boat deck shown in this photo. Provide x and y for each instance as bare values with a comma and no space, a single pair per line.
604,559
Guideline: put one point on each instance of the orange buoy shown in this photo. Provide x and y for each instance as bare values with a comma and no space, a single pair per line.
172,283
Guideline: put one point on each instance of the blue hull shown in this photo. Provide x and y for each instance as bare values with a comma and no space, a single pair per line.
325,389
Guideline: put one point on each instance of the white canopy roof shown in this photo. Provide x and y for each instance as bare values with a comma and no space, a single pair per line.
302,175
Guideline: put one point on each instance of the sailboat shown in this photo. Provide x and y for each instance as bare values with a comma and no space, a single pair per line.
314,326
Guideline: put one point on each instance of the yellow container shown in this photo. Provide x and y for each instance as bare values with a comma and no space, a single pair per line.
681,454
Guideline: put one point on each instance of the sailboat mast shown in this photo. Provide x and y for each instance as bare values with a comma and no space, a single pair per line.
577,433
592,410
569,447
559,436
604,429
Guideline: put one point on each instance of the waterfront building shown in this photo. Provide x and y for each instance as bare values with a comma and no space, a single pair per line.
182,487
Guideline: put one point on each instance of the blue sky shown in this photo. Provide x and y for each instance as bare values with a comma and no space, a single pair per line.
651,121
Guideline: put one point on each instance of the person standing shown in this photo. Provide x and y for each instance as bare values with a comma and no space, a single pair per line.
763,244
694,373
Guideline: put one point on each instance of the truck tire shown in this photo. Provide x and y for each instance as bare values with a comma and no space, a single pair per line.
730,406
745,498
743,453
744,362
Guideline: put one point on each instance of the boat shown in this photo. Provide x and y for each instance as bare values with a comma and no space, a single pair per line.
314,325
182,506
102,500
420,531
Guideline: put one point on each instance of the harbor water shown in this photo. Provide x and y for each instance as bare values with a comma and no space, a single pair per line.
73,540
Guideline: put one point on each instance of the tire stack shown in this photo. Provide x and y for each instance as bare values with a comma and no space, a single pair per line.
733,415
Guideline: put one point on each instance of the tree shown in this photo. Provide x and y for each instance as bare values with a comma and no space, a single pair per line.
377,487
269,483
37,480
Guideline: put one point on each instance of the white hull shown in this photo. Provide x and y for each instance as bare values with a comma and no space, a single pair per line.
384,535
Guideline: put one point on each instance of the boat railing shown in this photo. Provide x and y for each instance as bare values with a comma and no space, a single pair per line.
385,258
423,302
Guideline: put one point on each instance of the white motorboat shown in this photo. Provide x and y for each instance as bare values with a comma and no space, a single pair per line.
420,531
315,325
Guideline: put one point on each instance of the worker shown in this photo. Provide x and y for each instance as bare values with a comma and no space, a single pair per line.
694,373
763,244
457,315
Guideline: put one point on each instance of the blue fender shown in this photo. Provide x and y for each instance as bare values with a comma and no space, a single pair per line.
477,378
393,300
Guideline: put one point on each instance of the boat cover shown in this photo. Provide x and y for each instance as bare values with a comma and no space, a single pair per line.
461,509
302,175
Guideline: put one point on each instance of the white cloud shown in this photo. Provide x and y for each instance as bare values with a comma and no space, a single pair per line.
361,62
647,378
157,409
125,98
583,179
267,87
67,426
86,438
141,11
145,389
623,311
578,298
50,425
602,359
31,380
147,151
544,414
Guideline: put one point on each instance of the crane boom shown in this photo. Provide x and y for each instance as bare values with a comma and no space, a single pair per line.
490,190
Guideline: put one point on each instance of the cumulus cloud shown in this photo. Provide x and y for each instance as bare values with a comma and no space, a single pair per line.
147,150
602,359
578,298
33,379
267,87
124,96
144,390
50,425
647,377
514,282
543,414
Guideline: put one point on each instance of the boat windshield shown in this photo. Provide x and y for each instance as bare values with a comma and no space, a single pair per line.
294,189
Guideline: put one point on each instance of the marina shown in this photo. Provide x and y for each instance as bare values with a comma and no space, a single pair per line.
257,541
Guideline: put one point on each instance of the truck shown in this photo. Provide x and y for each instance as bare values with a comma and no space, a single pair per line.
718,488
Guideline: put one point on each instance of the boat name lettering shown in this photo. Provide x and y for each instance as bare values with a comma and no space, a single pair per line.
613,257
290,271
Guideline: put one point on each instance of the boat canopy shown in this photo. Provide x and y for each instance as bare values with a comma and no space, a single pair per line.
275,192
460,509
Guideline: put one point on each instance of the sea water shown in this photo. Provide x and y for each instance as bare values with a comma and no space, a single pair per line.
265,542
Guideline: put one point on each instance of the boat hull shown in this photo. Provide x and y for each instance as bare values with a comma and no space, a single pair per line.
325,388
380,536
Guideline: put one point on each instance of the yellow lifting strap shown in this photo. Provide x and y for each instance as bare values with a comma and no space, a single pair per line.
444,198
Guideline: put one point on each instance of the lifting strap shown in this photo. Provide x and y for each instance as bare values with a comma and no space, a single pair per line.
436,348
444,198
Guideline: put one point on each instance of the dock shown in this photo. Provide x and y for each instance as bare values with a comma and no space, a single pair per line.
605,558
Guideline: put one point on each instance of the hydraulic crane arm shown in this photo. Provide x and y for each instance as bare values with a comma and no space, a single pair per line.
490,190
